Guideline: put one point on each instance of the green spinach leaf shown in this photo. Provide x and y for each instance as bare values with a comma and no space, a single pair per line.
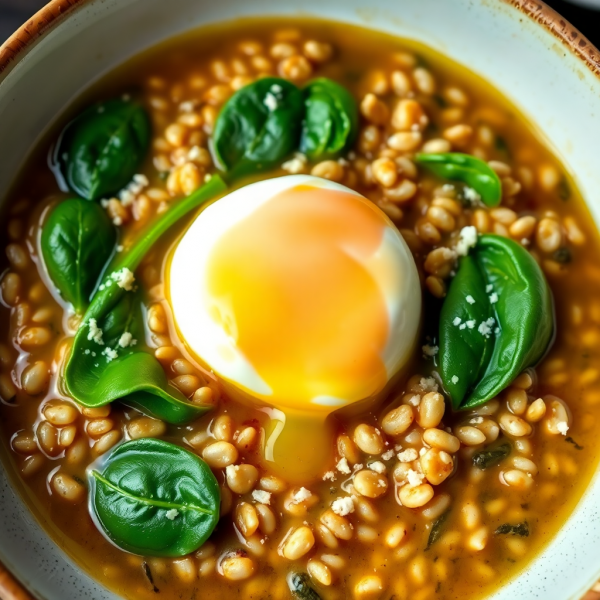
468,169
299,584
437,528
154,498
258,126
99,152
331,119
108,361
76,242
491,457
518,333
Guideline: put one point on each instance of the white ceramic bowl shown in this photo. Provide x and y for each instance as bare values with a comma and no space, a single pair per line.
529,53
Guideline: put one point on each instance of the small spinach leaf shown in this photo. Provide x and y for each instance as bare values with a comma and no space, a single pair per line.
76,242
105,365
473,171
299,584
519,333
521,529
99,152
331,119
464,352
258,126
492,457
437,528
154,498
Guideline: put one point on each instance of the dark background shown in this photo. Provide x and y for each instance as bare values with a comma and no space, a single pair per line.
13,13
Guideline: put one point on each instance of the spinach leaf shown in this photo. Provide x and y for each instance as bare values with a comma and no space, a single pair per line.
108,361
519,332
473,171
521,529
99,152
492,457
464,352
299,584
76,242
258,126
437,528
155,499
331,120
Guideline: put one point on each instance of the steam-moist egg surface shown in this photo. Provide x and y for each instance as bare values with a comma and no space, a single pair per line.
298,292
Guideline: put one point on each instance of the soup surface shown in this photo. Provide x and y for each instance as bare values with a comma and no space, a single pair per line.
411,499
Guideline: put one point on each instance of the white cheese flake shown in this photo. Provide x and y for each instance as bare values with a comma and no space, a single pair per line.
123,278
487,327
471,195
377,466
110,354
430,350
467,239
270,101
388,455
489,288
329,476
95,333
408,455
562,427
261,496
172,514
295,165
414,478
343,506
454,379
470,299
428,384
471,324
126,339
414,400
343,467
457,321
493,298
301,495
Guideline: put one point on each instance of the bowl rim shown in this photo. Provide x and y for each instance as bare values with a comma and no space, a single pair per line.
17,46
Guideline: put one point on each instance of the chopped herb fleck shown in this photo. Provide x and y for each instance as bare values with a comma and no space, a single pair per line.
437,529
563,189
521,529
563,256
299,584
490,458
570,440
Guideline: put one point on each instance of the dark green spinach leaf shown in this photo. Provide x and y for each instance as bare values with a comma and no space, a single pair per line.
437,528
521,529
331,119
519,332
108,361
491,457
468,169
99,152
259,126
76,242
299,584
154,498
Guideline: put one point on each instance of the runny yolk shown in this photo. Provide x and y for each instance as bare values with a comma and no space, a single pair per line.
289,285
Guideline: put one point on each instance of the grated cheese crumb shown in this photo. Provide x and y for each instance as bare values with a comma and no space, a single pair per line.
471,195
476,420
230,470
414,479
123,278
270,101
110,354
126,339
95,333
467,239
454,379
457,321
295,165
329,476
489,288
342,506
493,298
408,455
377,466
471,324
414,400
562,427
487,327
301,495
430,350
470,299
343,467
388,455
428,384
357,467
261,496
172,514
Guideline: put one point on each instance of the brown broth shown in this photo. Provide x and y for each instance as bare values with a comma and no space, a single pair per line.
448,570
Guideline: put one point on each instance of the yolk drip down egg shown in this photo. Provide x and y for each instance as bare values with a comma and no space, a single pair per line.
303,298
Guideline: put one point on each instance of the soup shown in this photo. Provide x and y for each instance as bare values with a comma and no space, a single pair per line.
389,493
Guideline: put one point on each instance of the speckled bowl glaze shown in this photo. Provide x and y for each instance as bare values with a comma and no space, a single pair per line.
523,47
